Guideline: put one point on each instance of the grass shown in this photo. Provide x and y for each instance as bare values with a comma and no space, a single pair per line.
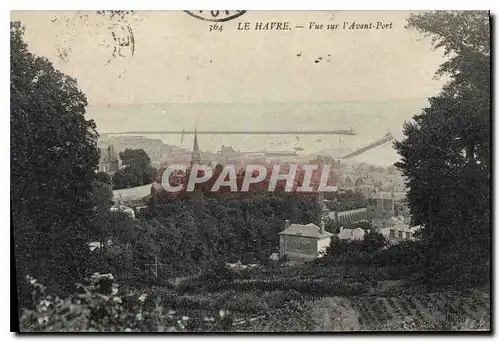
321,298
287,311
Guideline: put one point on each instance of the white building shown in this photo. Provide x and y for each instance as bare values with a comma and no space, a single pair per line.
354,215
355,234
398,232
303,241
132,194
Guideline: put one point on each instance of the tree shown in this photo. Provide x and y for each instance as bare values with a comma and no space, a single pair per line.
373,241
446,150
53,159
103,177
137,169
135,158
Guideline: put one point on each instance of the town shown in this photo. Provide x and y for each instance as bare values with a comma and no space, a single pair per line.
381,190
269,26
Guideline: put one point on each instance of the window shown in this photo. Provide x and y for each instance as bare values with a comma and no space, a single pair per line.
392,233
408,235
400,234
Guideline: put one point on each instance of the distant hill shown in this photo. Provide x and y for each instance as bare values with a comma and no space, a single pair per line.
155,148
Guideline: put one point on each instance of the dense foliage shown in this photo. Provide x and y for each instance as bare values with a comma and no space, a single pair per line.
192,234
446,151
355,251
136,170
53,158
91,309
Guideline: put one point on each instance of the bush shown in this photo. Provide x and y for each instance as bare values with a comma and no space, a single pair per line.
248,303
355,289
103,177
90,310
373,241
326,286
406,252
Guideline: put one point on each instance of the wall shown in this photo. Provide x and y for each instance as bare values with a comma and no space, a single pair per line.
354,215
297,245
131,194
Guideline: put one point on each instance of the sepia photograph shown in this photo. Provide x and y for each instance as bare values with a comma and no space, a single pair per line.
244,171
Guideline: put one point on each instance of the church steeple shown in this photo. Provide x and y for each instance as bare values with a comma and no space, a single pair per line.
195,155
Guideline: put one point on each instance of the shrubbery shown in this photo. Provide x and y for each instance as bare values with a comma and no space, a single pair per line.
404,253
307,286
347,251
91,310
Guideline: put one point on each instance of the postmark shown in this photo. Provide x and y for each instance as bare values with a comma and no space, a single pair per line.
113,30
215,15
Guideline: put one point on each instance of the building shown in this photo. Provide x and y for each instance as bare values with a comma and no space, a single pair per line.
355,234
354,215
108,161
399,232
299,241
383,204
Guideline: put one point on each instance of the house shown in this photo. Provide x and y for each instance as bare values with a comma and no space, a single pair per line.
398,232
365,190
300,241
383,202
351,234
380,222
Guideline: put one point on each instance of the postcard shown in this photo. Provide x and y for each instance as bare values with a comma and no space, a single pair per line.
251,171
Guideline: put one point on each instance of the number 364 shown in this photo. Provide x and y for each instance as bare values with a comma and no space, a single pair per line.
215,27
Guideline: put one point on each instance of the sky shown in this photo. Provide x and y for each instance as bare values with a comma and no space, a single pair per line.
176,59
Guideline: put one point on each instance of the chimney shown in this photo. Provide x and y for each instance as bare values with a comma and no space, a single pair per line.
322,225
287,224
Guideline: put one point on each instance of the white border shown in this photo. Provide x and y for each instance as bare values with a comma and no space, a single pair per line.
192,4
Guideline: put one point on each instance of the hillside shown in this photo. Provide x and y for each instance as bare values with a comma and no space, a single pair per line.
279,300
155,148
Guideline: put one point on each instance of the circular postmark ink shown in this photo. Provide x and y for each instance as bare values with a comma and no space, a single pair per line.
215,15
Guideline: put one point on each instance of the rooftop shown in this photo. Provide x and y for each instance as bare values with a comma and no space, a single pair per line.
351,234
131,194
307,230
